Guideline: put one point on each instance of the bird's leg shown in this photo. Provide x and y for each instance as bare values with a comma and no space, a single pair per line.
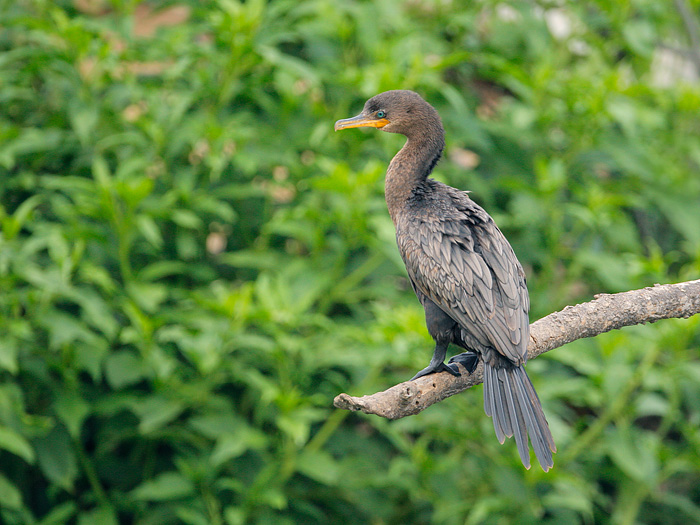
437,363
468,360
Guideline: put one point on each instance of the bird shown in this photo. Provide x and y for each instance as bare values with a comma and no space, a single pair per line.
463,271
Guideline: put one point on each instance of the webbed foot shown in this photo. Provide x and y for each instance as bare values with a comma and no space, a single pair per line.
440,367
468,360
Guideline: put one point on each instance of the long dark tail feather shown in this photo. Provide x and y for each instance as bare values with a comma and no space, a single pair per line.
511,401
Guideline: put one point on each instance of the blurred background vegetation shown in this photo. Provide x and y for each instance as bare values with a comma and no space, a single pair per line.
193,264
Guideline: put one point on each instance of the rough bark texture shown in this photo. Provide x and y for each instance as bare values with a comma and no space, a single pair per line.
605,313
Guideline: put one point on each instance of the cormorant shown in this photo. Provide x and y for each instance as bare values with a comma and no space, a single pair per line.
463,271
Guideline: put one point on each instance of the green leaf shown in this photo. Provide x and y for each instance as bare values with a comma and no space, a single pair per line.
149,229
634,454
148,295
165,486
216,425
640,35
571,494
10,496
190,516
15,443
155,412
99,516
89,357
84,120
56,457
8,355
72,410
13,224
96,311
319,466
235,516
240,441
187,219
60,515
101,173
30,140
123,369
65,329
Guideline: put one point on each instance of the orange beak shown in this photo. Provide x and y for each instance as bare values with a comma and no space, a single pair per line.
360,121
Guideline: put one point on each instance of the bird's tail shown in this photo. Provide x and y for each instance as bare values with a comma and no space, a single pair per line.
511,400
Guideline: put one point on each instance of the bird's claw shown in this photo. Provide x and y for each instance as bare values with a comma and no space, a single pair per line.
469,360
441,367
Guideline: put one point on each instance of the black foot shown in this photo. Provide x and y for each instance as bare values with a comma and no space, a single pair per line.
468,360
440,367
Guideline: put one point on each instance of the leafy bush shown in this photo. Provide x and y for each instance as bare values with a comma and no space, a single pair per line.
192,264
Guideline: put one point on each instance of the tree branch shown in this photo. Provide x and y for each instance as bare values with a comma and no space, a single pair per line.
693,30
605,313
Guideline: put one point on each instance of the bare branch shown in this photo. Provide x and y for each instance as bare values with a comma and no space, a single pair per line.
605,313
693,30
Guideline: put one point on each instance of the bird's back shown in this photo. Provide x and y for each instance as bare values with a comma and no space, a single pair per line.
456,256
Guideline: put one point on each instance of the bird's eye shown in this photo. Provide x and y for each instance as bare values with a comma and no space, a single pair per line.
381,114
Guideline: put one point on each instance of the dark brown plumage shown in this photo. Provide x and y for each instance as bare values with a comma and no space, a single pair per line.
463,271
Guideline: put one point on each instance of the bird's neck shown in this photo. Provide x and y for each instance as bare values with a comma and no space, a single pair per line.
409,168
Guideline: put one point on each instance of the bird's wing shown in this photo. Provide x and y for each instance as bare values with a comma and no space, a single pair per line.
466,266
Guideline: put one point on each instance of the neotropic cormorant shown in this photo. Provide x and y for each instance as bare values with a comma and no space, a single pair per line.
463,271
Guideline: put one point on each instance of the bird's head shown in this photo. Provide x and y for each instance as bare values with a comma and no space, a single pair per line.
397,111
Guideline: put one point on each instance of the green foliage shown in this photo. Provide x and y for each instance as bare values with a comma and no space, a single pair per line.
193,264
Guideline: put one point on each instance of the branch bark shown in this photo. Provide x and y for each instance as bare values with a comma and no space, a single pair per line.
607,312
